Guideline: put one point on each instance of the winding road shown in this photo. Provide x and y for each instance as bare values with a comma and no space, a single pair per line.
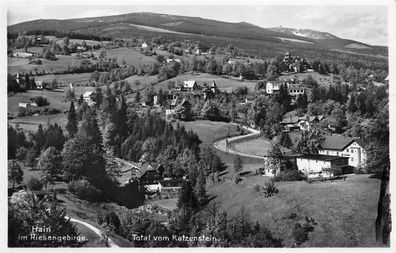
222,144
111,243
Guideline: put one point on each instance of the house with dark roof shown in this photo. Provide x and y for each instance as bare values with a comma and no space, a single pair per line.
149,174
303,123
314,165
352,148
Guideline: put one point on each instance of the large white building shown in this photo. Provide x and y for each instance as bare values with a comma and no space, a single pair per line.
314,165
352,148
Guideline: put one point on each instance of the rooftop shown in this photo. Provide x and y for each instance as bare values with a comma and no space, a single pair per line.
321,157
336,142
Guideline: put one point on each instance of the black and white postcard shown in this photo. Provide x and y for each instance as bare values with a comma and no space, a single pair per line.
197,124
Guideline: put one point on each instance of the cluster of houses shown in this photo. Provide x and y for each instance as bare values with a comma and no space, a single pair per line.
303,123
295,64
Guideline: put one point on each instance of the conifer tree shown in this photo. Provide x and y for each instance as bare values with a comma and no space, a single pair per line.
187,199
200,190
71,126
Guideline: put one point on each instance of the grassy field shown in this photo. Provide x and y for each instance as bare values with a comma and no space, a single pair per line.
144,80
260,146
131,56
54,98
31,123
210,131
223,84
345,210
20,65
65,78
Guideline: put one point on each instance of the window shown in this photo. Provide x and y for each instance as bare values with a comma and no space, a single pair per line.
347,149
351,159
352,151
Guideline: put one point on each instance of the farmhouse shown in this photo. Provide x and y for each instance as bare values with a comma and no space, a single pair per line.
23,55
315,164
144,45
27,105
39,85
89,97
149,174
190,85
341,146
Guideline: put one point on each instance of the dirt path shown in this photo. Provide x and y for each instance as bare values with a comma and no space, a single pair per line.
222,144
95,230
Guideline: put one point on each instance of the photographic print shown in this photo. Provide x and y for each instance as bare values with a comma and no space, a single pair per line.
240,125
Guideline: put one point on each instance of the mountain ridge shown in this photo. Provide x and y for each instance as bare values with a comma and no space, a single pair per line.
116,26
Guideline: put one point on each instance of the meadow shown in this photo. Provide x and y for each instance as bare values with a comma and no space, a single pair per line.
19,65
259,146
345,211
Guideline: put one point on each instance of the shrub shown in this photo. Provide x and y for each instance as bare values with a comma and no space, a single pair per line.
270,189
83,189
292,175
110,220
300,232
359,170
40,101
34,184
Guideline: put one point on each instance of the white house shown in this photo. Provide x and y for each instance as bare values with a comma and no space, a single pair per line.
315,165
190,85
144,45
272,87
27,105
341,146
39,85
295,89
22,55
89,97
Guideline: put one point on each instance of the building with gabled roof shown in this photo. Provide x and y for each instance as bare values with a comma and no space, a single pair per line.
190,85
352,148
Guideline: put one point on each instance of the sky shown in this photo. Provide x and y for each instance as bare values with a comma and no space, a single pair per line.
362,22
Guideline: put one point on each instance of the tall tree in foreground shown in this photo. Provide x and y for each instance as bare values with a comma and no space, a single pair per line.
50,164
72,123
15,173
187,199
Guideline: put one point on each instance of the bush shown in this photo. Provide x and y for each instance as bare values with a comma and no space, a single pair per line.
359,170
110,220
270,189
300,232
34,184
292,175
40,101
83,189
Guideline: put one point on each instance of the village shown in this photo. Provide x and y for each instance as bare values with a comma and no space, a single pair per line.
162,135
